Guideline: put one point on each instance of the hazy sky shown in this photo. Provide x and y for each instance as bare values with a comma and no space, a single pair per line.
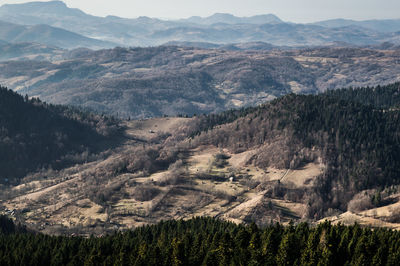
289,10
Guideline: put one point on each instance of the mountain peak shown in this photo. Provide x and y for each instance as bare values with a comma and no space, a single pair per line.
232,19
222,15
56,3
52,8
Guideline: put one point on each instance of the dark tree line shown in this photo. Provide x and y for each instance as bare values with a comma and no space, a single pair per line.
206,241
381,96
34,134
210,121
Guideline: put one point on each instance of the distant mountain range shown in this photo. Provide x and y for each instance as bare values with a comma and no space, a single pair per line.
220,29
231,19
386,25
42,33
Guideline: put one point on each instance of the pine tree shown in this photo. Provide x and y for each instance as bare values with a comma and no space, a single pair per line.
178,252
287,250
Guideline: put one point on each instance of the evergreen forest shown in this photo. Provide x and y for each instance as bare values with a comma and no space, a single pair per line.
205,241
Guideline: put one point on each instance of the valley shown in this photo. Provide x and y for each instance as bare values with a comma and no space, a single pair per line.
157,173
68,201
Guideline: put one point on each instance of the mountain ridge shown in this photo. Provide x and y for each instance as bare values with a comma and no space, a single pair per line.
232,19
219,28
384,25
46,34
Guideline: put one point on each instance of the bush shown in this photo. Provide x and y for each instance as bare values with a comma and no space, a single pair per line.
360,202
220,160
145,193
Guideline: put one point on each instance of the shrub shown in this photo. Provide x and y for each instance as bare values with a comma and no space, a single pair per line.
145,193
360,202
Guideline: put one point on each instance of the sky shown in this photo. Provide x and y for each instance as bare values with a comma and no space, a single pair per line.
301,11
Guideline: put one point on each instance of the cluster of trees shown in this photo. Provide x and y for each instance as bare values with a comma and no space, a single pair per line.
7,226
381,96
34,134
210,121
206,241
354,131
358,134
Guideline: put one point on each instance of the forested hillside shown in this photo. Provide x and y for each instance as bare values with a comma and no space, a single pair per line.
385,97
355,132
35,135
206,241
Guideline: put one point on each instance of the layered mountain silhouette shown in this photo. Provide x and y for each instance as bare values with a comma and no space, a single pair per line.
49,35
219,28
386,25
231,19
